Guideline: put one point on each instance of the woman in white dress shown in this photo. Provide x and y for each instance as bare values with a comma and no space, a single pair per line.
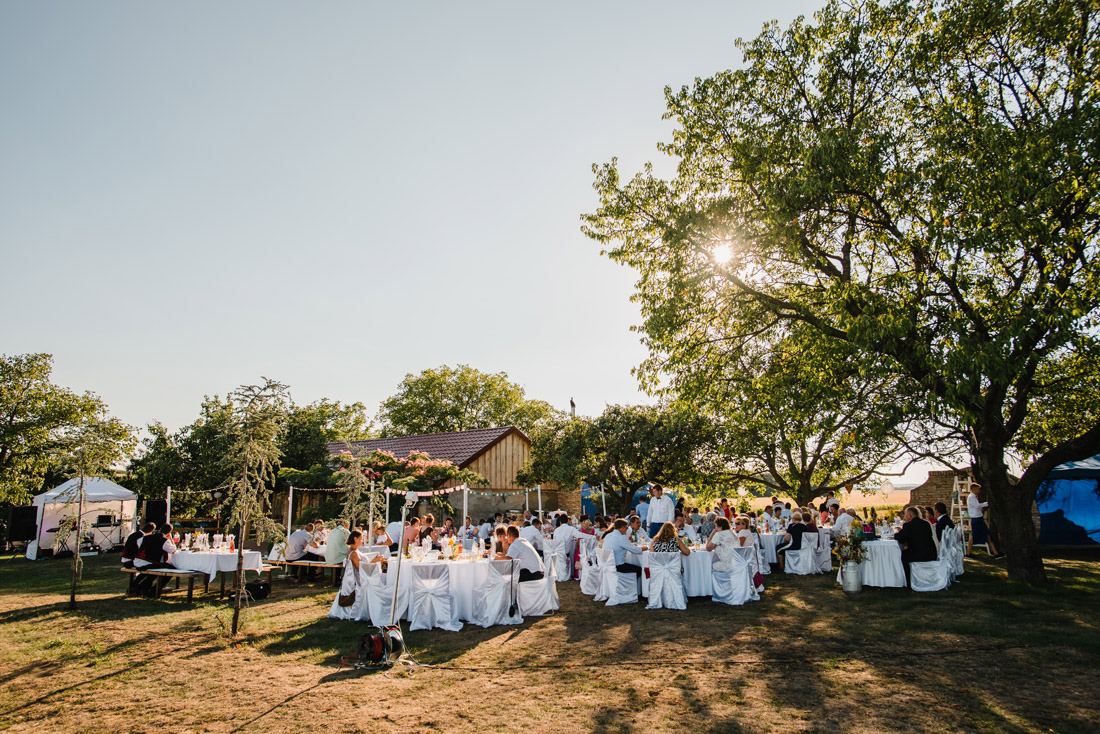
352,582
722,543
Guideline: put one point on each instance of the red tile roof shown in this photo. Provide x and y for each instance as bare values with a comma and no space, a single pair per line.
460,447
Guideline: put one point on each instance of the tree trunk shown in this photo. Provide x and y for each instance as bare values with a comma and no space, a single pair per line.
1010,508
77,560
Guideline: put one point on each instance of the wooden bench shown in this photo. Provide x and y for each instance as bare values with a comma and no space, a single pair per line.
171,573
336,567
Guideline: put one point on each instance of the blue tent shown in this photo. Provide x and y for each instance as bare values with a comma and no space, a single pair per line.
1069,504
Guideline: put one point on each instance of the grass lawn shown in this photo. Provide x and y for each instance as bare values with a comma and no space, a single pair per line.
985,656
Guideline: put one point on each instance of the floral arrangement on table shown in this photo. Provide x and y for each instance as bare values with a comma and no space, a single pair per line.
849,547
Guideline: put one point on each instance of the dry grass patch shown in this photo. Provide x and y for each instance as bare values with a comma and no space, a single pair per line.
985,656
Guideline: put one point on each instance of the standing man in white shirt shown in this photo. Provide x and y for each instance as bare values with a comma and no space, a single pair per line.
396,531
661,510
979,531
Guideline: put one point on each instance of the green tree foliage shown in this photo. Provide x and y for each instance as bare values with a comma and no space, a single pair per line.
459,399
917,181
258,419
189,460
798,417
36,416
623,449
311,427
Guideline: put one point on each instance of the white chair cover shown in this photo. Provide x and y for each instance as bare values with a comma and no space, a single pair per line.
278,552
823,556
350,582
377,550
497,594
605,560
379,596
802,562
431,604
666,582
590,572
562,551
625,588
735,586
933,575
955,550
762,561
540,597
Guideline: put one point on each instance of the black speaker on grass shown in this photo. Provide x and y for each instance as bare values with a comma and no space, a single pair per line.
23,525
257,590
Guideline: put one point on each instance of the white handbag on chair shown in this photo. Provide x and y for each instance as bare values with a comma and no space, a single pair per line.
431,604
666,581
734,586
498,594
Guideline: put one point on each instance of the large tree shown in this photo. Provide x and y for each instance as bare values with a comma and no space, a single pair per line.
917,181
623,449
798,416
459,399
35,418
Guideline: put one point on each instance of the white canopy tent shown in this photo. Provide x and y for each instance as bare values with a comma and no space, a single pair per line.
101,497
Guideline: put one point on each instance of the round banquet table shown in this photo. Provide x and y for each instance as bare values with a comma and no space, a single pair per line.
213,562
696,569
768,541
465,576
882,566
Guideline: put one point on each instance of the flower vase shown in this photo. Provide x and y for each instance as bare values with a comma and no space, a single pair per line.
851,577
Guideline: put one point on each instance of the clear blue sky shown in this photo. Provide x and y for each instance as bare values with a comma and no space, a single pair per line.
332,194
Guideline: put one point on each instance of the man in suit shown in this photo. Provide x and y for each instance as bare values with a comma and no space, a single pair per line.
918,544
942,520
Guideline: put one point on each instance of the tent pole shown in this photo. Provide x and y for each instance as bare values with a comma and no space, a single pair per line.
540,502
168,507
289,510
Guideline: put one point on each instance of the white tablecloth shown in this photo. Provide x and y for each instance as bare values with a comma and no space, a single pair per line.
882,566
465,576
768,541
211,563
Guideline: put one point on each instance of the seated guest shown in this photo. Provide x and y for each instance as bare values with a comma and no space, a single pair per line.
426,527
412,533
396,531
684,530
744,534
565,530
532,533
337,548
917,540
617,542
637,533
498,521
380,535
448,530
942,520
722,543
133,542
521,551
786,513
808,520
298,549
669,541
791,540
843,520
707,528
153,552
499,535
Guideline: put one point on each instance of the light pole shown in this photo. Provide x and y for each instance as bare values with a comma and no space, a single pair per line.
218,511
